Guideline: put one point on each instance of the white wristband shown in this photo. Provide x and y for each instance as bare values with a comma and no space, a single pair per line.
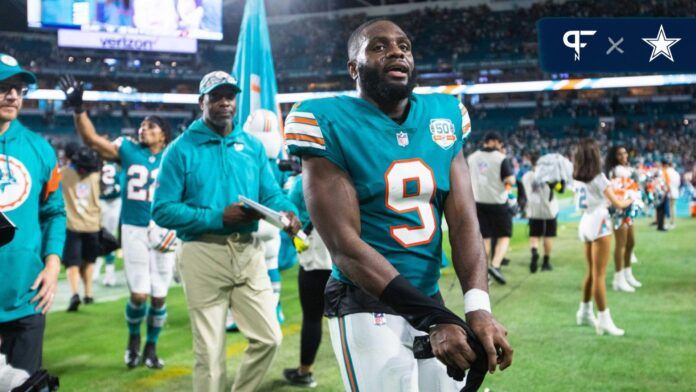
476,299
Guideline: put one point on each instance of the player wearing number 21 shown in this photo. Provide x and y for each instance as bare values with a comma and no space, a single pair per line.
149,271
379,170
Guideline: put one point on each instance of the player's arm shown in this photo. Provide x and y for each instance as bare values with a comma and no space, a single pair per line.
103,146
469,260
334,210
73,90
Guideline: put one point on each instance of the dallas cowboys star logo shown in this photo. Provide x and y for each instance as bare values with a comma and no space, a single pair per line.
661,45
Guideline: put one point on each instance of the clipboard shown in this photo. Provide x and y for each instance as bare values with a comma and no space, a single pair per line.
271,216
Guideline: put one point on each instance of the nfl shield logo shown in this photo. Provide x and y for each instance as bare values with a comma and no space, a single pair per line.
442,131
402,139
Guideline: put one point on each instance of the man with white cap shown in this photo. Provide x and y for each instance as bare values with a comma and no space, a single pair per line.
31,198
221,263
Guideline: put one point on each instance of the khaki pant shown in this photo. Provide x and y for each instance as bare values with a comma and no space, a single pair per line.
218,272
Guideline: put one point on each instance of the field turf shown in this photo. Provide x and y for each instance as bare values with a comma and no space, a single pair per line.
551,353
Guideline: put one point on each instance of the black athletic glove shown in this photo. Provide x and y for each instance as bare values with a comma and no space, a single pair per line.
423,350
73,90
422,312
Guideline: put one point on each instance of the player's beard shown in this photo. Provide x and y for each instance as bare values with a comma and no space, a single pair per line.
373,82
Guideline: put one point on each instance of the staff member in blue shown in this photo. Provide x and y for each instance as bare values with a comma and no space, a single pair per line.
31,197
202,175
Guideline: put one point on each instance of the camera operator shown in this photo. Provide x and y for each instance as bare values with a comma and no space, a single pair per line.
81,191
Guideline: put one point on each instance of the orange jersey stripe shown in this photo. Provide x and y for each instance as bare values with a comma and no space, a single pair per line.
302,120
304,138
53,183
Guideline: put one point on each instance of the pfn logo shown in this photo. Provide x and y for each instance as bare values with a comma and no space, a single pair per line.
576,44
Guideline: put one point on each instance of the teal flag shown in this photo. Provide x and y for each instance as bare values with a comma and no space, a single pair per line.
253,64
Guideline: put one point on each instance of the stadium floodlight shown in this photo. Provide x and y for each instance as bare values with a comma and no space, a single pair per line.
480,88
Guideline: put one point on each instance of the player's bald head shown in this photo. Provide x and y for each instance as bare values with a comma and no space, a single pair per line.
359,35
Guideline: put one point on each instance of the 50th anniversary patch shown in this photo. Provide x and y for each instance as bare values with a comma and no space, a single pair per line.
617,44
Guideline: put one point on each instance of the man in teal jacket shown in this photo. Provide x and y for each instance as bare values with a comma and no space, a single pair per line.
30,196
202,175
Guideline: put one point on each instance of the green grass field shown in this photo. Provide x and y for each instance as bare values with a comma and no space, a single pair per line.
551,353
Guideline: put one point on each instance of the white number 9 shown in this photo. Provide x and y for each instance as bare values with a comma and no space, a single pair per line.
398,175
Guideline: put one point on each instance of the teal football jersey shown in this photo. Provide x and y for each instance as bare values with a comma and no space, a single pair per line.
140,169
110,181
400,171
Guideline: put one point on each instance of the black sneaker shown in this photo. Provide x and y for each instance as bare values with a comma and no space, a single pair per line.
88,300
294,377
74,303
534,264
505,261
497,274
132,357
150,358
546,266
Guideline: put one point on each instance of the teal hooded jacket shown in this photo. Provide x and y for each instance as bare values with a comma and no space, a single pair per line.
202,172
30,196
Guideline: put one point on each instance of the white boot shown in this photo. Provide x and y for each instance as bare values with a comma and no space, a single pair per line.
97,269
606,324
109,275
585,315
634,259
620,283
628,274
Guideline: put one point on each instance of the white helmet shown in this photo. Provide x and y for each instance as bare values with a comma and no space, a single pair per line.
263,125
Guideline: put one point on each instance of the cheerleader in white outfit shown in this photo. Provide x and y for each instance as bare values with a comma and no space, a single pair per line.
622,177
594,194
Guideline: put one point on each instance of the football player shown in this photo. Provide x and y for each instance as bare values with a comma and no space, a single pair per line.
110,200
149,267
379,170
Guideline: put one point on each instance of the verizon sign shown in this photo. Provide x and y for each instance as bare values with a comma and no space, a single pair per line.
111,41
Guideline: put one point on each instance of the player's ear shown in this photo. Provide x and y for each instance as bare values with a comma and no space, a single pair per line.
200,102
353,69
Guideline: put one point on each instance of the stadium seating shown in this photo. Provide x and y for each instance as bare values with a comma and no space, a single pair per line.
462,41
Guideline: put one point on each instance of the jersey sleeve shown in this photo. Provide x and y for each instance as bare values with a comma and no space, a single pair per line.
464,127
121,144
308,133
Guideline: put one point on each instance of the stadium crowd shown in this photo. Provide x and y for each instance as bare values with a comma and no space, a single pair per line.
311,49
